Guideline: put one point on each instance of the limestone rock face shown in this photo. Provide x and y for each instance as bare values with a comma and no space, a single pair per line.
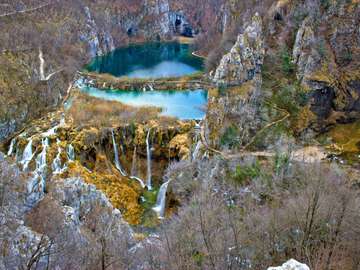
79,199
305,57
160,9
76,217
246,57
291,265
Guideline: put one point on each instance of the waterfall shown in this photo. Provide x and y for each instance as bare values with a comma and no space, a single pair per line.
196,150
148,157
134,171
151,87
70,152
52,131
139,180
56,165
11,147
116,154
133,164
41,158
161,200
36,186
62,120
27,155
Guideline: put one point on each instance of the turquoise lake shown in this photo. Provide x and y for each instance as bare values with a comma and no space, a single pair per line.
149,60
153,60
188,104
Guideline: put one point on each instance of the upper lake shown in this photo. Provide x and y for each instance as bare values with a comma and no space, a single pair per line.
148,60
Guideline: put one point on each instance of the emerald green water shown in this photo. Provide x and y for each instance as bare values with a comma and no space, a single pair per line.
149,60
180,104
152,60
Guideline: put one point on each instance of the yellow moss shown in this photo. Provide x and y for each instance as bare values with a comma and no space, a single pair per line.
139,236
321,75
346,137
304,119
85,139
139,135
282,3
122,193
181,143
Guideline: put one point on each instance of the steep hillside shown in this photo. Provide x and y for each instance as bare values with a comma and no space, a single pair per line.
269,173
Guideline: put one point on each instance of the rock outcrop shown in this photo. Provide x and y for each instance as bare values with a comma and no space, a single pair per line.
326,62
235,109
246,57
72,221
305,56
291,265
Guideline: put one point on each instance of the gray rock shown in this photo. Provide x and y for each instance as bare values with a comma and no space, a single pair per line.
291,265
246,57
305,57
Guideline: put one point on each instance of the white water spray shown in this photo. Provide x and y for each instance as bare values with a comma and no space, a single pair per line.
56,165
196,150
70,152
134,171
139,180
36,187
161,200
27,155
11,148
116,155
148,157
52,131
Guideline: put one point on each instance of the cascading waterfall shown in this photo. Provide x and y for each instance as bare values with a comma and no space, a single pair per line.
139,180
196,150
11,147
116,154
27,155
148,157
161,200
56,165
70,152
133,170
36,186
52,131
133,164
151,87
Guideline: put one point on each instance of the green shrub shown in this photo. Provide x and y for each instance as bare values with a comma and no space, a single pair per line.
290,97
230,137
150,197
325,4
287,66
281,163
243,174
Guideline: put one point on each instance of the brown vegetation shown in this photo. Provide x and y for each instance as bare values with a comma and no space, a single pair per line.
306,212
91,111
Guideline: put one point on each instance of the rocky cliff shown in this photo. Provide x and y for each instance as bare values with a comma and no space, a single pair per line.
307,54
72,214
246,57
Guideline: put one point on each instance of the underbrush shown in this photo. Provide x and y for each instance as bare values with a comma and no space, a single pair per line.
281,210
87,110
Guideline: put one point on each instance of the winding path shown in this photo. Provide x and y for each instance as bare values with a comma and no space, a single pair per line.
308,154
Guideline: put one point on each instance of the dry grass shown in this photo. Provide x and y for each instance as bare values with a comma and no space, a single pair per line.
87,110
